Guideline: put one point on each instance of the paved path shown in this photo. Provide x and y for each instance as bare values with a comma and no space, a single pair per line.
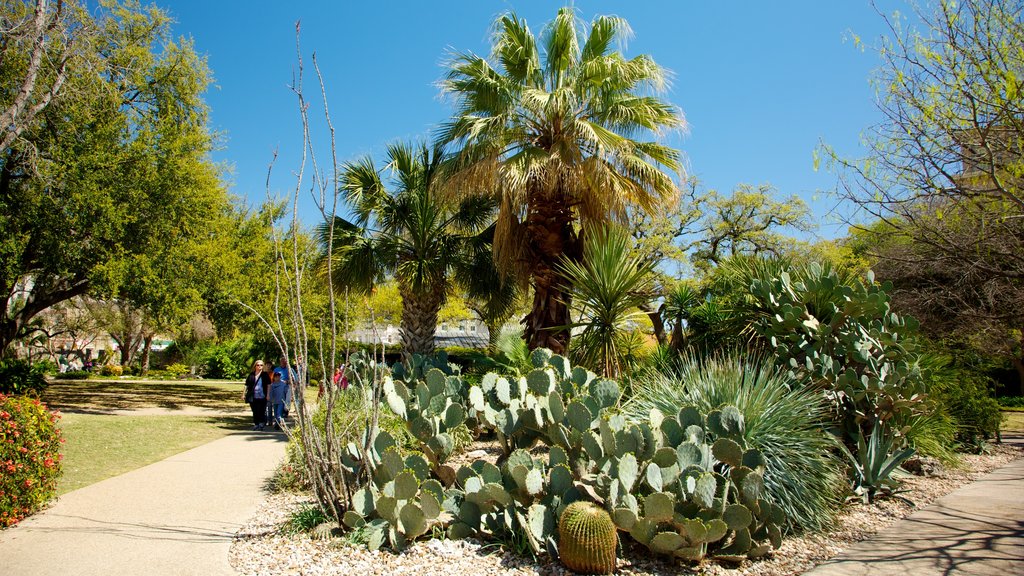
976,530
174,517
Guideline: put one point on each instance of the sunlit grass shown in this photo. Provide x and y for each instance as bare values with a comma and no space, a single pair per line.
98,447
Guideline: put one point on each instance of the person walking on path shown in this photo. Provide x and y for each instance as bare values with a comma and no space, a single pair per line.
278,395
286,372
257,387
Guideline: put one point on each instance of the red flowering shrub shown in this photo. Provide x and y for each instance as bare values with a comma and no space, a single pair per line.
29,457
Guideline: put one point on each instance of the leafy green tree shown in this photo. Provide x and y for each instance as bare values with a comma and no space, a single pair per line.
112,178
553,128
745,222
405,228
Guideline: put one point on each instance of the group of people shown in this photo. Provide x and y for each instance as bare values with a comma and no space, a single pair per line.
269,394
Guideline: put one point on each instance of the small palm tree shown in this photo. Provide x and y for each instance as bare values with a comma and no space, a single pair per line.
607,288
403,227
556,128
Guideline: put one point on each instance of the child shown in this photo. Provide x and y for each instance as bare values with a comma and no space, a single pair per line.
278,395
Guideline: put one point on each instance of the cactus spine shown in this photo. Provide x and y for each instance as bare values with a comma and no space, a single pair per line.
587,539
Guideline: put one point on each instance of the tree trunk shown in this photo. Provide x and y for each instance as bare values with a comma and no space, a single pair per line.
147,343
549,228
1018,363
678,341
419,318
657,322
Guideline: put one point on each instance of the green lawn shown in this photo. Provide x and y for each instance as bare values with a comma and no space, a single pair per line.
1014,422
99,444
97,447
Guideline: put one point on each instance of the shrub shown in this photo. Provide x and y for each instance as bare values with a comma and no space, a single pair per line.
1011,402
932,433
786,424
20,377
178,370
111,370
966,396
29,457
73,375
46,366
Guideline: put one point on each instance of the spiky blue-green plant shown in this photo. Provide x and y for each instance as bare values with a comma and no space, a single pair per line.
785,423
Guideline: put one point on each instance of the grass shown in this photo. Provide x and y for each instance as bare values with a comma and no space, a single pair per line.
98,447
100,443
104,396
1014,422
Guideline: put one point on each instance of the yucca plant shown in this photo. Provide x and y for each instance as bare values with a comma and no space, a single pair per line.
785,423
607,288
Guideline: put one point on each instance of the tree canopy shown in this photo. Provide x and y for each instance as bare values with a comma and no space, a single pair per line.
109,190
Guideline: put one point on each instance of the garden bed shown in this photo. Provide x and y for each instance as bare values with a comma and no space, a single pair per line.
263,545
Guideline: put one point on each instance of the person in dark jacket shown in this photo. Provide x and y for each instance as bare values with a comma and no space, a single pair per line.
257,388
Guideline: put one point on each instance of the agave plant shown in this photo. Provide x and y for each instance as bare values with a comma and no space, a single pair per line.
872,467
785,423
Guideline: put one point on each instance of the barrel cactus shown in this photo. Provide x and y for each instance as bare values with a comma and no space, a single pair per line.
587,539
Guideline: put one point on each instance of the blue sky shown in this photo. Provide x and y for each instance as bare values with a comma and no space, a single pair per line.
761,83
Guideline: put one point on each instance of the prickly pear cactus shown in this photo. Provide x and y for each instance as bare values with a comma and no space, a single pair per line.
587,539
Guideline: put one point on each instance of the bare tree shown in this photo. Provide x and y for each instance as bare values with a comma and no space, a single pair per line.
309,335
940,186
949,147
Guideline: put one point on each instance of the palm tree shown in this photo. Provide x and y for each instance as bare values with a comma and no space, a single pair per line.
557,140
408,231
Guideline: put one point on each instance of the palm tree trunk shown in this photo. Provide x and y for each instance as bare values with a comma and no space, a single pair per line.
551,237
419,318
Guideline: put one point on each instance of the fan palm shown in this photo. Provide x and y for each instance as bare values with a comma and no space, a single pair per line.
402,227
554,131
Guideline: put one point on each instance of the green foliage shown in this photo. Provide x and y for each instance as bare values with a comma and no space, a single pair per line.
30,462
229,359
587,539
110,191
836,332
47,366
510,355
878,455
932,432
73,375
965,396
785,423
1013,402
607,287
305,519
20,377
746,222
111,370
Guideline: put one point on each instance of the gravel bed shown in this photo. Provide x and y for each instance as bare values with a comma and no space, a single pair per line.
262,547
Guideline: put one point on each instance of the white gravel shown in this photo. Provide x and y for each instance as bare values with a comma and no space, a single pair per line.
263,548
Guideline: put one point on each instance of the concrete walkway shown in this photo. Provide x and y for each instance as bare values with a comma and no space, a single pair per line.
174,517
976,530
